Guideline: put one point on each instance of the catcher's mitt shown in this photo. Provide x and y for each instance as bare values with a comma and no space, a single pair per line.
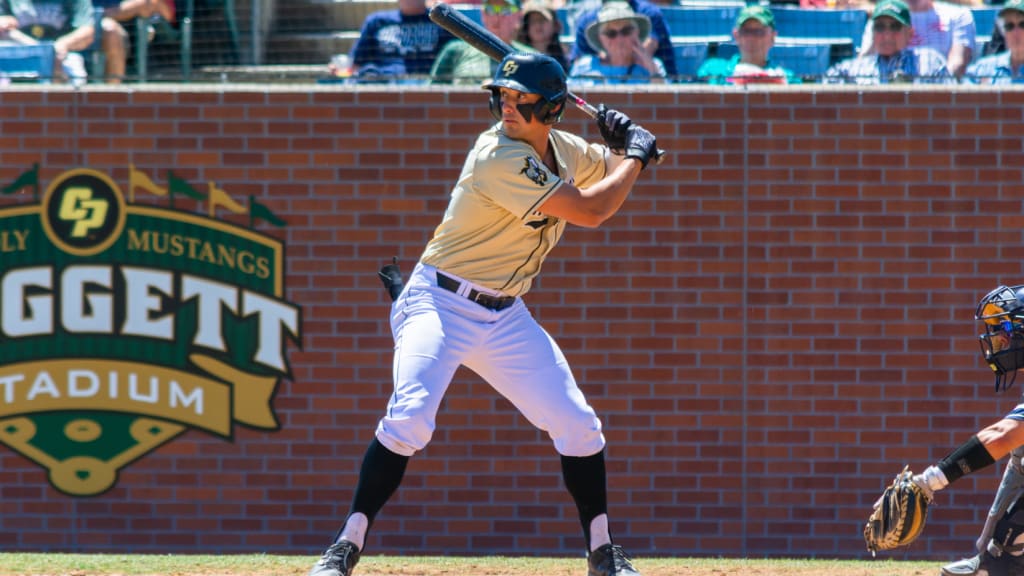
899,515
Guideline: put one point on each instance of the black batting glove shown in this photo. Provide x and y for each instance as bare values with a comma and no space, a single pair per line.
613,125
641,144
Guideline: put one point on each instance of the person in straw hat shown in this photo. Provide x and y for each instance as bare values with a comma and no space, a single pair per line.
617,36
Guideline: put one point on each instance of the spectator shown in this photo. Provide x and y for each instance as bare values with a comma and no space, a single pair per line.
617,35
832,4
658,44
894,60
66,23
542,30
460,63
943,27
395,43
1006,67
117,40
754,34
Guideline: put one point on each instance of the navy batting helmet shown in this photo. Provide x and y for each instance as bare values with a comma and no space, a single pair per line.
533,74
1002,344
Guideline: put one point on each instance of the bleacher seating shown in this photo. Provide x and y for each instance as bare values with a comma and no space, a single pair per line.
690,25
27,62
689,57
808,60
984,22
833,27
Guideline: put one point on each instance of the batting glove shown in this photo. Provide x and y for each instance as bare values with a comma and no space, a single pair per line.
613,125
641,144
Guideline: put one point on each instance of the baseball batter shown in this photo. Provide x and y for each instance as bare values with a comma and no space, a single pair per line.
520,184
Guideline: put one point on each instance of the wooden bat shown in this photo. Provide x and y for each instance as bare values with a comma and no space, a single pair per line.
495,48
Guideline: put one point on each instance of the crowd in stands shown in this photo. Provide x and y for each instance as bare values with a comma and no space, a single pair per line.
631,42
92,36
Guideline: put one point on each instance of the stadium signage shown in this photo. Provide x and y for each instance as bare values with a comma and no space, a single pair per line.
124,325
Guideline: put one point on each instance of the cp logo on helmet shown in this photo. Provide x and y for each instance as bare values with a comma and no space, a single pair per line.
532,74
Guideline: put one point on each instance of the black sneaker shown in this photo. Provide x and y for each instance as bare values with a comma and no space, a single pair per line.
338,560
610,560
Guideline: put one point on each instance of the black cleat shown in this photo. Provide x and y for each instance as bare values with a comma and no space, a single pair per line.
338,560
610,560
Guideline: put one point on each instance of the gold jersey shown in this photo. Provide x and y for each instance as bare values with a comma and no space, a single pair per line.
492,232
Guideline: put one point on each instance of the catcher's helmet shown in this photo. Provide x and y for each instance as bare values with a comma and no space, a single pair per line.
1002,344
533,74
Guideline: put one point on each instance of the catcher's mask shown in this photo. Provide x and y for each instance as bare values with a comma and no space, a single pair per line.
532,74
1002,344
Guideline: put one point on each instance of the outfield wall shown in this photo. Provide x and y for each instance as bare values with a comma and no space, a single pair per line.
779,318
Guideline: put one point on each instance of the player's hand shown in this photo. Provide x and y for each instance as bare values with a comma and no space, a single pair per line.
613,125
641,144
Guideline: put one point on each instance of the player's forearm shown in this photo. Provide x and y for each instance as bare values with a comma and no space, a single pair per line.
980,451
605,198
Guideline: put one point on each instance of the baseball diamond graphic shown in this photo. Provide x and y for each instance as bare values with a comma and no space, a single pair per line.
126,325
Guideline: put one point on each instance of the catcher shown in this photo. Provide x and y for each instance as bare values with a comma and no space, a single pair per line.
899,515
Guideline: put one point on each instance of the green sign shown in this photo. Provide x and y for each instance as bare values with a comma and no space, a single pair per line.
123,325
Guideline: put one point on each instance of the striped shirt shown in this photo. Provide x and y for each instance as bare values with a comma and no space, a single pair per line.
995,69
913,65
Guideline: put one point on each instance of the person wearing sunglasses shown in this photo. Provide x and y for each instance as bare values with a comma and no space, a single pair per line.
1001,545
460,63
754,34
618,37
894,60
658,43
945,27
1006,67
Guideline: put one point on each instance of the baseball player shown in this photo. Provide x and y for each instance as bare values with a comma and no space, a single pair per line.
1002,344
520,184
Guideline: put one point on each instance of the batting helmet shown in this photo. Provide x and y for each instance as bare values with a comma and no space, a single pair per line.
533,74
1002,344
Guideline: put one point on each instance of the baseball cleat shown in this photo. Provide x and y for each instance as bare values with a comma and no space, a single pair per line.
985,564
338,560
610,560
965,567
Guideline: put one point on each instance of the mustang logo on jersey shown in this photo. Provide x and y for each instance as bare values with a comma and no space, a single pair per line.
534,171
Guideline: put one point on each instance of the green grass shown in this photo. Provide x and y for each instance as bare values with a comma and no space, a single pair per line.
15,564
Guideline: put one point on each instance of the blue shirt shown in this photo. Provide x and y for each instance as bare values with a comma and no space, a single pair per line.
659,31
995,69
396,44
916,65
589,71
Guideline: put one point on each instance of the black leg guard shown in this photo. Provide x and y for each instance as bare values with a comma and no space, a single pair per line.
379,477
585,479
1009,533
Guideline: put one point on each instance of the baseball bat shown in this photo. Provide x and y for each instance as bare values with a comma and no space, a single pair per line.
495,48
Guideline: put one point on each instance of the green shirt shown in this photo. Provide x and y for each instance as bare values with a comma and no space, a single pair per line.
460,63
718,70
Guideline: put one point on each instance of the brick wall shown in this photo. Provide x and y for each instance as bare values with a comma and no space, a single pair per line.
776,322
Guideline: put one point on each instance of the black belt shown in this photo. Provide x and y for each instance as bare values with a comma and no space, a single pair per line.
486,300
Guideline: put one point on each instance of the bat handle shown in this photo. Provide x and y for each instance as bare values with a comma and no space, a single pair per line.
589,110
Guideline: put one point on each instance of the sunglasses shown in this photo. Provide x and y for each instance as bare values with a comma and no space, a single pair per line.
1009,26
500,9
754,32
613,33
887,27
